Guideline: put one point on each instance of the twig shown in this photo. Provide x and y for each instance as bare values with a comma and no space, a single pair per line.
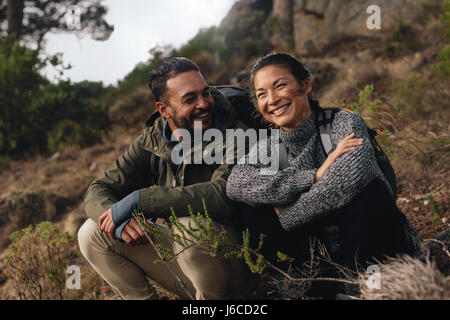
163,259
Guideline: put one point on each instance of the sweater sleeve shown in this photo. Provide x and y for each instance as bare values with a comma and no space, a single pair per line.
346,177
248,184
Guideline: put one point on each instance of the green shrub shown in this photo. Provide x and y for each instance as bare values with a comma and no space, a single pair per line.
31,107
69,133
418,97
443,66
37,259
19,81
403,39
445,17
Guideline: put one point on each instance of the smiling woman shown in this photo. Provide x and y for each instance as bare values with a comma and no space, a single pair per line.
340,198
138,26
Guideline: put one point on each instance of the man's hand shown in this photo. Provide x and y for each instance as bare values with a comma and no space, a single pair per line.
132,233
107,224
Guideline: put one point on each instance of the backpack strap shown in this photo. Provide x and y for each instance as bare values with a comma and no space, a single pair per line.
324,120
156,166
283,156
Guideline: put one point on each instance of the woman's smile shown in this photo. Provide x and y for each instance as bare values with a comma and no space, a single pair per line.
281,99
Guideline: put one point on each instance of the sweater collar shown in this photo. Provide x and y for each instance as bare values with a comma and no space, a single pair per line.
300,135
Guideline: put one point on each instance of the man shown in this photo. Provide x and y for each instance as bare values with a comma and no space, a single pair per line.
112,240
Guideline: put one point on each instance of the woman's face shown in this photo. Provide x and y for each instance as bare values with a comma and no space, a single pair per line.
281,99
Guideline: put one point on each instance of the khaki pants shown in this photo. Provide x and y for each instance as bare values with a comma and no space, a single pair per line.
126,267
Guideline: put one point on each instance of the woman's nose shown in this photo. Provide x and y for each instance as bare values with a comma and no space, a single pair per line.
273,97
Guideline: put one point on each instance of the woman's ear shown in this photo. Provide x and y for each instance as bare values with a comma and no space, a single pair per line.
307,86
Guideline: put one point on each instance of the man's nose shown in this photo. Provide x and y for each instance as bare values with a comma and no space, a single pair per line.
202,103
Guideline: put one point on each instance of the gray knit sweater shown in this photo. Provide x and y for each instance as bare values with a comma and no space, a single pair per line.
302,200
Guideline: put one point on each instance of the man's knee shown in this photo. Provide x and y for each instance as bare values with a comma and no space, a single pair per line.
85,234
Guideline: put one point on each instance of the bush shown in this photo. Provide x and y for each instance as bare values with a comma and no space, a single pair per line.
420,98
442,68
19,81
37,260
445,17
403,39
31,108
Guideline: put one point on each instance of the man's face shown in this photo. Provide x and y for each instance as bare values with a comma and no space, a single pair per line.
188,100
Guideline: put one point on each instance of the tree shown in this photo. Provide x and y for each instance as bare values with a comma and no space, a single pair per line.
31,20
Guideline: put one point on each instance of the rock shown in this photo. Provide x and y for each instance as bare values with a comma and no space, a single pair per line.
283,9
318,22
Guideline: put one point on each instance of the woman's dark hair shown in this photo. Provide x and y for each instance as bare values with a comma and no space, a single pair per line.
169,68
284,60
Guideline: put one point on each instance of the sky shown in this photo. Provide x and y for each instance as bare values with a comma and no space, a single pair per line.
139,25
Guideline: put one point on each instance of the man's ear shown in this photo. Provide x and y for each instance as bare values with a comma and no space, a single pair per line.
163,109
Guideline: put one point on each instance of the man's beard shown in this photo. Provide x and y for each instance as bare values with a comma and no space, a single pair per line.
188,124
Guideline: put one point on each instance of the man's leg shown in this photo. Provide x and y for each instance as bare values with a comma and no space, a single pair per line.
213,277
125,267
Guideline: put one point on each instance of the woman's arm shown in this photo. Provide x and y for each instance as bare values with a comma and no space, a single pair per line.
247,184
345,178
250,183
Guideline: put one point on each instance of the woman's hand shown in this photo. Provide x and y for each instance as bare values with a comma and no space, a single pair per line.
277,210
345,145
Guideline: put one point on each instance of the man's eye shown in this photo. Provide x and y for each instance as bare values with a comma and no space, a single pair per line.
281,85
206,93
189,101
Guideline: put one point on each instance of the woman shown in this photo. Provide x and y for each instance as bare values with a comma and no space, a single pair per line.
342,199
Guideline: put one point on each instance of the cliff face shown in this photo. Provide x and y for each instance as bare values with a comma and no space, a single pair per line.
242,8
316,23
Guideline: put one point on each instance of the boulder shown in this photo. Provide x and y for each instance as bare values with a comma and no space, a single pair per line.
318,22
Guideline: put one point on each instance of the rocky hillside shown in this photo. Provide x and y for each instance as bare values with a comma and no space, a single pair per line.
401,60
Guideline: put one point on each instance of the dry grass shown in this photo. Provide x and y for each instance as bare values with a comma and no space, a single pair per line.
407,279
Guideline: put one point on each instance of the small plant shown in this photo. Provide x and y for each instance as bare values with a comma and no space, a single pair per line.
37,259
366,105
202,232
437,213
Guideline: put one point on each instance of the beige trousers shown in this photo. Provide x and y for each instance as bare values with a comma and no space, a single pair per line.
126,267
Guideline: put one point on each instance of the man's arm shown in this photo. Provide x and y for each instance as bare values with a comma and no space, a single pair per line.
127,174
157,202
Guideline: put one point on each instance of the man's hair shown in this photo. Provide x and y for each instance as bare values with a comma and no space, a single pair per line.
169,68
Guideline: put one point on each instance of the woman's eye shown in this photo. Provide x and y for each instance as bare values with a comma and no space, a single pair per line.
261,95
281,85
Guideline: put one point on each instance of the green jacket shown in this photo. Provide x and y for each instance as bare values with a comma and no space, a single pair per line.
187,186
